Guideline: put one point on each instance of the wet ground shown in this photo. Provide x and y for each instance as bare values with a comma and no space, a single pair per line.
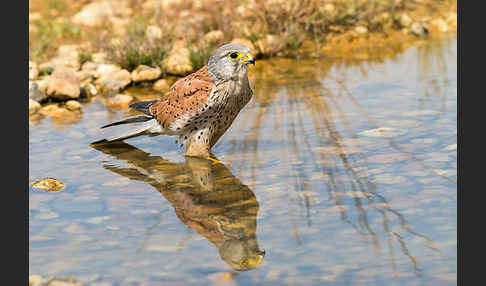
337,172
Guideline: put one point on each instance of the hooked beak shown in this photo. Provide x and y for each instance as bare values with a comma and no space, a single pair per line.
248,59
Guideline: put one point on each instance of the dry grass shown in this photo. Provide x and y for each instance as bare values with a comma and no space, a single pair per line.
293,21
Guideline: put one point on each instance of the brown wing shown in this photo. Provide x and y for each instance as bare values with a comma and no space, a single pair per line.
186,95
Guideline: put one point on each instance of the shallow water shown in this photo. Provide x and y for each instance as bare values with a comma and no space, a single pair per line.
337,172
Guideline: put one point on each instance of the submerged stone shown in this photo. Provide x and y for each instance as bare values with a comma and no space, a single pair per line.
48,184
383,132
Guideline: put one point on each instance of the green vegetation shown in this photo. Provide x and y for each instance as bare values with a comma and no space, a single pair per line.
199,57
49,32
135,48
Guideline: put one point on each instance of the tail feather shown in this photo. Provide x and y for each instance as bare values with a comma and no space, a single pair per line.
147,124
143,106
133,119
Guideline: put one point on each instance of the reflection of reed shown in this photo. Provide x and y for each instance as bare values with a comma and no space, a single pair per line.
281,107
431,59
205,196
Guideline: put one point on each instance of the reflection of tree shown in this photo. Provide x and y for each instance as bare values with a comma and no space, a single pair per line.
205,196
306,119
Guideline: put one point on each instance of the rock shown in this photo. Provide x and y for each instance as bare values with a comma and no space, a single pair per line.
84,75
162,85
157,4
73,105
361,30
104,69
88,90
48,184
60,115
36,92
119,100
114,80
67,56
34,106
178,60
99,58
247,43
63,84
68,281
89,67
145,73
404,20
33,70
94,14
49,109
47,67
330,9
34,16
440,25
452,20
418,29
153,33
270,45
213,37
383,132
385,20
34,279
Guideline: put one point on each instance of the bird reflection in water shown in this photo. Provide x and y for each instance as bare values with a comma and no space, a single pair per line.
205,196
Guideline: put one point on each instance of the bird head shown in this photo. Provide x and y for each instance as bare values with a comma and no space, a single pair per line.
230,61
242,254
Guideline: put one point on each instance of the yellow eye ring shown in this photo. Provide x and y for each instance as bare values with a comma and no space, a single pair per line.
235,56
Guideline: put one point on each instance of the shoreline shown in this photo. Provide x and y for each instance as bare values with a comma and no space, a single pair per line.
136,56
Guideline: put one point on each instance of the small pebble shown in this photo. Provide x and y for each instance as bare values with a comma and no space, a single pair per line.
120,100
72,105
383,132
361,30
48,184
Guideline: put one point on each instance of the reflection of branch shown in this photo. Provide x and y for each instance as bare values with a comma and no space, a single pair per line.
391,141
148,233
417,270
345,173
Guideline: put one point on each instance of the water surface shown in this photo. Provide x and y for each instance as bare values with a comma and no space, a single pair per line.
337,172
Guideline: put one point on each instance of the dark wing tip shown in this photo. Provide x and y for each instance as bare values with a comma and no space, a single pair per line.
99,141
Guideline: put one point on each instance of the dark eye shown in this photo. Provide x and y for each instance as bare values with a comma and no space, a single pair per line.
234,55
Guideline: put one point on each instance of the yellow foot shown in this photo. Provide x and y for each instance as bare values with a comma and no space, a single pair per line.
215,161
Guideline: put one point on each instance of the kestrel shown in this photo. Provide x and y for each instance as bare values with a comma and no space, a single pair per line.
200,107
